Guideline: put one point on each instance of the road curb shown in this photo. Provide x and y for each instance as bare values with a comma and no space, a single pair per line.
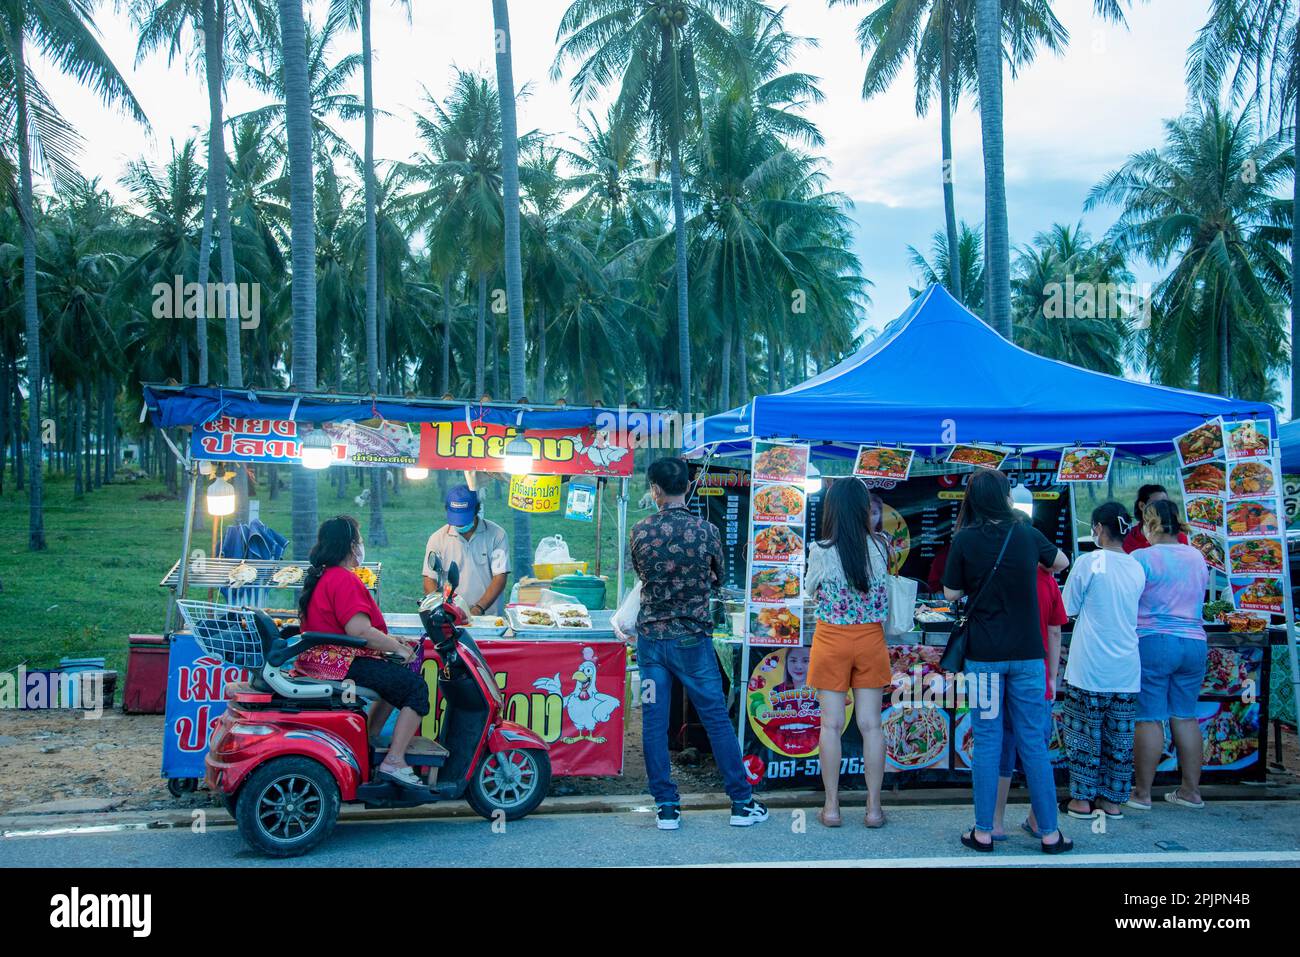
216,815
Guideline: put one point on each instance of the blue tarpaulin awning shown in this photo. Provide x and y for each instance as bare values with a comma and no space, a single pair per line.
938,375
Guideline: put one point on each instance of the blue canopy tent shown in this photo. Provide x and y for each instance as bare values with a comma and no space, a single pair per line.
938,375
1289,437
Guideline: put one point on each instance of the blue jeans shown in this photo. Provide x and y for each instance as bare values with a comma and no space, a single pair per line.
1018,688
689,659
1007,766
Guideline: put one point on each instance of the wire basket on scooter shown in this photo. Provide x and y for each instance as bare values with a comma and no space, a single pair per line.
226,631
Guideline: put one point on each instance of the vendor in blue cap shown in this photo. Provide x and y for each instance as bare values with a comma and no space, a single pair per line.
477,546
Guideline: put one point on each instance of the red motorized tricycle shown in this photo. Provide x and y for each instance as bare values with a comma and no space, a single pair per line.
290,749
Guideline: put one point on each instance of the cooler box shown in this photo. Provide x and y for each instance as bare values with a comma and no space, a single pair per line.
588,590
146,675
556,569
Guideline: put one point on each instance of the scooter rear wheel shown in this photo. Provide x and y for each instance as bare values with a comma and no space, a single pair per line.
511,782
287,806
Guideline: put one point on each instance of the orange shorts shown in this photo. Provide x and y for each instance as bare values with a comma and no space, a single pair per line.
848,656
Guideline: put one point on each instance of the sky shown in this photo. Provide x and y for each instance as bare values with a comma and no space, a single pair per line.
1069,119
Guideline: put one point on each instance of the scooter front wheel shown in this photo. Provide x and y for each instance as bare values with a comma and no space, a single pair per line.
511,783
287,806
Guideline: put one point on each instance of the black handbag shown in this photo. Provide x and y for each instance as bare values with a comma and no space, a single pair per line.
954,656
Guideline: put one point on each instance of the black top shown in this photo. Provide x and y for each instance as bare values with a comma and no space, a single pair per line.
1004,624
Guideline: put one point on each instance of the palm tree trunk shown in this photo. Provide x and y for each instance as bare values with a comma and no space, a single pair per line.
31,320
945,136
724,385
540,390
372,293
683,317
446,335
201,320
1225,345
518,331
214,28
303,242
743,363
997,243
480,335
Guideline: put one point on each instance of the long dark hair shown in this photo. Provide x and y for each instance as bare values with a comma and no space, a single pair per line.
334,541
987,500
846,518
1145,493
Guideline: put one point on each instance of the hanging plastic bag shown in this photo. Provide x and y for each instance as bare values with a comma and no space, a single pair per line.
552,550
624,620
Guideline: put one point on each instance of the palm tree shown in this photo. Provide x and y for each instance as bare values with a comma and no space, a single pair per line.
989,55
654,44
969,267
1217,317
510,207
298,126
1073,300
939,37
1253,44
65,33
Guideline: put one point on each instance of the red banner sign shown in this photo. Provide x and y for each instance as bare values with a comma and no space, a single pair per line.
482,448
572,693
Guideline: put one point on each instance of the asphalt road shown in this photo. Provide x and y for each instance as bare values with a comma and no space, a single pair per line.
1232,833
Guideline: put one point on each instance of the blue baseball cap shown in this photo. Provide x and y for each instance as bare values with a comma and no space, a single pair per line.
462,505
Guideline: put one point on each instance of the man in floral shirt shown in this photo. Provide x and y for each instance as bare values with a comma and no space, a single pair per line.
678,558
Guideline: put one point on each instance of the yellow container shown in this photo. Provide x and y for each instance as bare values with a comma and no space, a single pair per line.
548,570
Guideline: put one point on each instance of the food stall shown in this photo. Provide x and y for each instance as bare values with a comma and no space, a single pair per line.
561,670
935,396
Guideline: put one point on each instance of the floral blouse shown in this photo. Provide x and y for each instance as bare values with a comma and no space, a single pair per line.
835,601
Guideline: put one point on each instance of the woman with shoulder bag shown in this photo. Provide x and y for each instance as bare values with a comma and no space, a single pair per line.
994,558
846,580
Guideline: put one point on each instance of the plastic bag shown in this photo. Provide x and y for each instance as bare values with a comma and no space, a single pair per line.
902,605
551,550
624,620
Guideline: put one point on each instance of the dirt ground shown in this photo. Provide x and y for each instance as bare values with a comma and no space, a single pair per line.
114,763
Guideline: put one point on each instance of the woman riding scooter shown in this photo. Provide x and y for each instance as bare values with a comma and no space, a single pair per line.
335,601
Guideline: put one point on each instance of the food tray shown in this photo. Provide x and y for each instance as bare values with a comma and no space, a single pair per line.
601,627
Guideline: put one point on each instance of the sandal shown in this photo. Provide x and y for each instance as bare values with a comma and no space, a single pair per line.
969,840
1173,798
1024,826
1137,805
1078,815
878,823
827,820
403,777
1063,846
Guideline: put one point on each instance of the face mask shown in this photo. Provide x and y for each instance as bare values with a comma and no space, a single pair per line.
359,552
464,529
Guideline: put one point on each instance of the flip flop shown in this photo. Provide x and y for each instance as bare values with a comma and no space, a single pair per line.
969,840
1112,815
999,838
1137,805
1078,815
1173,798
1062,846
1024,826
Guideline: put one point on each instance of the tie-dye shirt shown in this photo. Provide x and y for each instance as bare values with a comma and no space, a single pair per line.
1171,602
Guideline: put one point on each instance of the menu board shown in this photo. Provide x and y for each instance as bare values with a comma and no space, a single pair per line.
778,529
722,498
920,513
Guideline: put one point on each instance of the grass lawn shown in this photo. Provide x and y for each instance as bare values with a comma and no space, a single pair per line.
97,582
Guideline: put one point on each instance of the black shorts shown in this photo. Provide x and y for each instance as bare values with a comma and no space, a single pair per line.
396,684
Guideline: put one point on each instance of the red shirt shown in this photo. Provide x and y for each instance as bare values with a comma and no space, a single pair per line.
338,596
1051,611
1135,539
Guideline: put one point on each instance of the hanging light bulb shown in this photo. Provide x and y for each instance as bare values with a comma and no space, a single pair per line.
317,449
519,456
221,498
415,473
1022,500
812,483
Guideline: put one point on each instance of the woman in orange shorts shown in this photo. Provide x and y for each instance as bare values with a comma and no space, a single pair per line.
846,580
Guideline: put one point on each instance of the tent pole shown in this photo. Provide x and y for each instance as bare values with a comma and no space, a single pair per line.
622,537
186,536
1288,606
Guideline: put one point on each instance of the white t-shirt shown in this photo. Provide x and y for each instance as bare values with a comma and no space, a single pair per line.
1103,590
